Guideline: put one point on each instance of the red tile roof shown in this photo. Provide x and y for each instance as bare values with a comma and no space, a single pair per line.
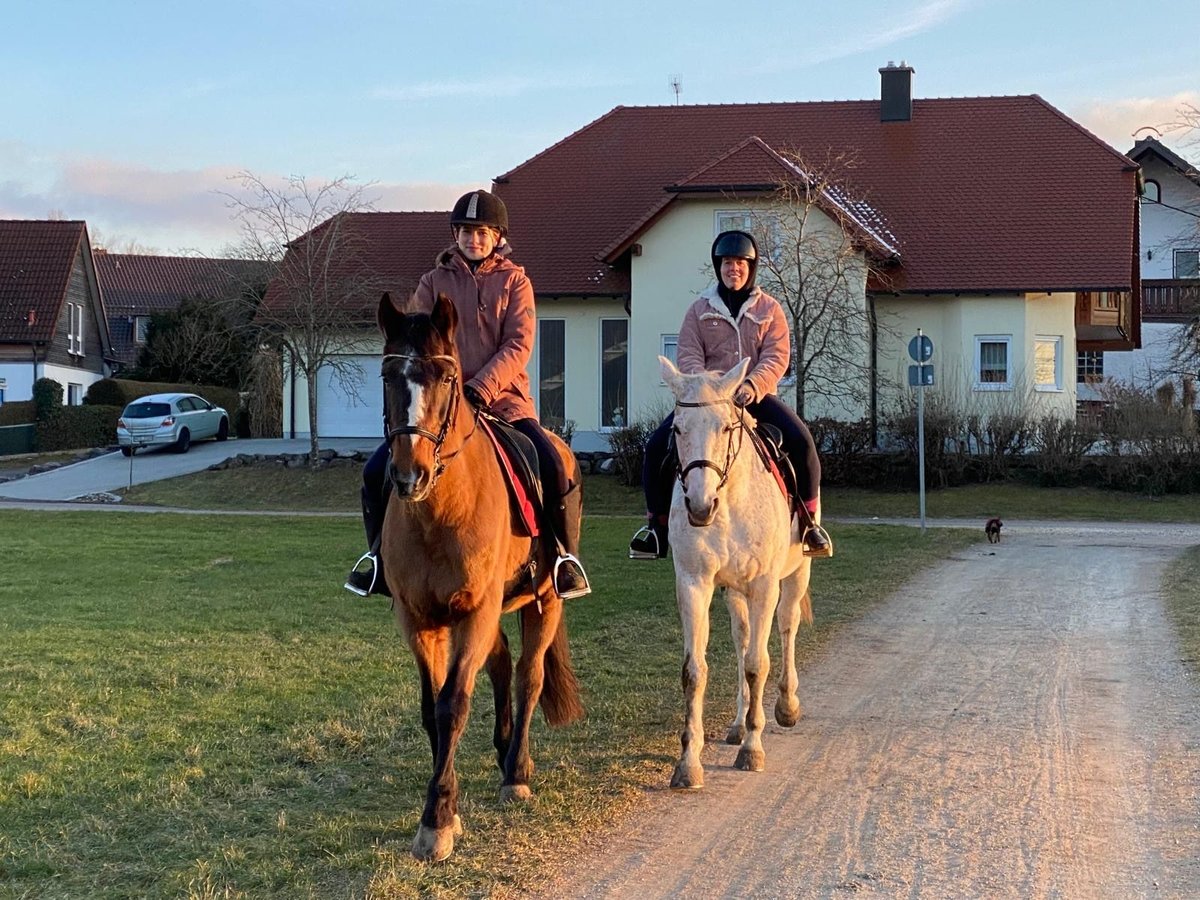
391,250
982,194
36,260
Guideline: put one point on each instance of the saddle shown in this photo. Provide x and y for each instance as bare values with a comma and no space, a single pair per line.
519,462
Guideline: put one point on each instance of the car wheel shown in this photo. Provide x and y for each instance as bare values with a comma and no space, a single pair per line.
185,441
223,430
128,451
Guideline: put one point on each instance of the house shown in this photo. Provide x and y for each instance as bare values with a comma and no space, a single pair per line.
997,225
52,319
136,287
1169,258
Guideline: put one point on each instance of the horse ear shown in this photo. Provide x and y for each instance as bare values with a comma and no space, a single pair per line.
730,380
445,317
388,316
670,373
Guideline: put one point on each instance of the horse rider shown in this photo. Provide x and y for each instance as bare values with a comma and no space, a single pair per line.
496,326
733,319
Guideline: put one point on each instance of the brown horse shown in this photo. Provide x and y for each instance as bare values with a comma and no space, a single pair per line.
456,559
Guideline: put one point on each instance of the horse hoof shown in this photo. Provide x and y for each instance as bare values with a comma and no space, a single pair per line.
750,760
515,793
787,713
687,777
736,734
436,844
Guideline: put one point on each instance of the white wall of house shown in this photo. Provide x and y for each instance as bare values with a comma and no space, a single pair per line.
18,380
959,325
1146,368
1167,226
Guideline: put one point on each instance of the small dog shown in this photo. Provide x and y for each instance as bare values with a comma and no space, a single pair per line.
992,530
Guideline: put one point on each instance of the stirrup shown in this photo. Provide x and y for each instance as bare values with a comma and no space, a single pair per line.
649,535
370,557
575,592
817,552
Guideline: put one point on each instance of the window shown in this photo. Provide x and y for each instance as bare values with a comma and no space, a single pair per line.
1089,366
552,372
1106,299
1187,263
670,347
614,373
74,394
141,328
1152,192
732,220
991,362
1047,363
75,329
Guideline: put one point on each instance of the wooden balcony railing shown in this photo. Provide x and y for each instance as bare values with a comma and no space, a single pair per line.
1170,299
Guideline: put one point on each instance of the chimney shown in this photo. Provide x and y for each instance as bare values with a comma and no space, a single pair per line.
895,95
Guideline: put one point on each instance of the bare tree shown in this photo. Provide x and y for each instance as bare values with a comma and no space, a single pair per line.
820,247
322,292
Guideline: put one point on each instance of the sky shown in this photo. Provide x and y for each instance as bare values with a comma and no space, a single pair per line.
135,116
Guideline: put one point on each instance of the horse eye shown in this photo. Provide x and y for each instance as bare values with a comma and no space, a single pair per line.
449,379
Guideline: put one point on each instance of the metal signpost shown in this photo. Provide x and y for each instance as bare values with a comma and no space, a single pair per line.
920,376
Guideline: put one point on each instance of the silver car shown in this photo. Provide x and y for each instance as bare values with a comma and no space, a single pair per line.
174,420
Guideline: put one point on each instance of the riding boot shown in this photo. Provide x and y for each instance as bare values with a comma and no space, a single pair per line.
366,577
815,539
570,580
650,541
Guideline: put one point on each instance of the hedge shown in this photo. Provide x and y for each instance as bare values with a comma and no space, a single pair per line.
78,427
17,412
120,392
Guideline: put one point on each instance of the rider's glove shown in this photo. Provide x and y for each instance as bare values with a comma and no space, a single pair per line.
744,395
474,397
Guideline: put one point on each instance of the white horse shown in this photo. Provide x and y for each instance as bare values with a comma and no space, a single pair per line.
730,526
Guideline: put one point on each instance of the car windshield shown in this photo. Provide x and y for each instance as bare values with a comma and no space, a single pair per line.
147,410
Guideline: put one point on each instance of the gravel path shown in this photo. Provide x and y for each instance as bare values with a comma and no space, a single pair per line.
1015,723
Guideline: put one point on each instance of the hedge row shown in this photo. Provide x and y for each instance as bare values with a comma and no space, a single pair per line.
120,391
17,412
73,427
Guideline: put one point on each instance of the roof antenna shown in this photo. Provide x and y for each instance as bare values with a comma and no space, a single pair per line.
1157,133
677,86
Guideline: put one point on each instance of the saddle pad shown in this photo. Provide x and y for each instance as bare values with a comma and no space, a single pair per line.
776,462
514,450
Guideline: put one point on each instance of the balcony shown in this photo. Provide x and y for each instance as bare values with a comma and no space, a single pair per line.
1170,299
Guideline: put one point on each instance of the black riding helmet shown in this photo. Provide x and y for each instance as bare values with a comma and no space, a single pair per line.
735,243
480,208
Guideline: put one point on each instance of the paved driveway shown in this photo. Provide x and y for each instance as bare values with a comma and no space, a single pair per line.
114,471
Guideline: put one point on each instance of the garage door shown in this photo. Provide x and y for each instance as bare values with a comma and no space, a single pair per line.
350,402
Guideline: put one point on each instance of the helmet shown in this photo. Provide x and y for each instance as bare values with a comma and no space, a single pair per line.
734,243
739,244
480,208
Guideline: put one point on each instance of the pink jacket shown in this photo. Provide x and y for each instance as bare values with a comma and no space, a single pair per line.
711,340
496,326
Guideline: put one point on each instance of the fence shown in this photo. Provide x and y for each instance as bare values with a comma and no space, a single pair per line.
16,439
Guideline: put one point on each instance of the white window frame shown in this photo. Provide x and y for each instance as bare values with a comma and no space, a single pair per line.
980,384
75,329
1156,191
1089,366
74,394
141,329
1175,263
1057,341
671,342
537,365
600,426
747,223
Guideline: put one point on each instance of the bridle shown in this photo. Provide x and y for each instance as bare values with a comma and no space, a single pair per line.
731,452
439,464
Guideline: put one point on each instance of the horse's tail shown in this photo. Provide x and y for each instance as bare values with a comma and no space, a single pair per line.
561,702
806,616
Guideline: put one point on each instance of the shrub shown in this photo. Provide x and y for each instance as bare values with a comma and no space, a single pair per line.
17,412
628,447
47,397
1062,446
844,448
77,427
120,392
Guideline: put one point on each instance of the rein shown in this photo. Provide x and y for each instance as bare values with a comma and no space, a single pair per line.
731,452
439,464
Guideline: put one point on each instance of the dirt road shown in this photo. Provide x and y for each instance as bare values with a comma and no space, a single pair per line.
1011,725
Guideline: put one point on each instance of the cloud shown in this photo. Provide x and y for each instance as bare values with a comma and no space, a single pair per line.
498,86
166,210
1116,121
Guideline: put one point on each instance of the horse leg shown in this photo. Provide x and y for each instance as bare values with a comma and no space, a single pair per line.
537,631
499,670
739,625
693,594
794,607
472,641
763,600
430,648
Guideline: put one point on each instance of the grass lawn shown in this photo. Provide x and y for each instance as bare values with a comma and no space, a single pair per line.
190,706
1182,587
